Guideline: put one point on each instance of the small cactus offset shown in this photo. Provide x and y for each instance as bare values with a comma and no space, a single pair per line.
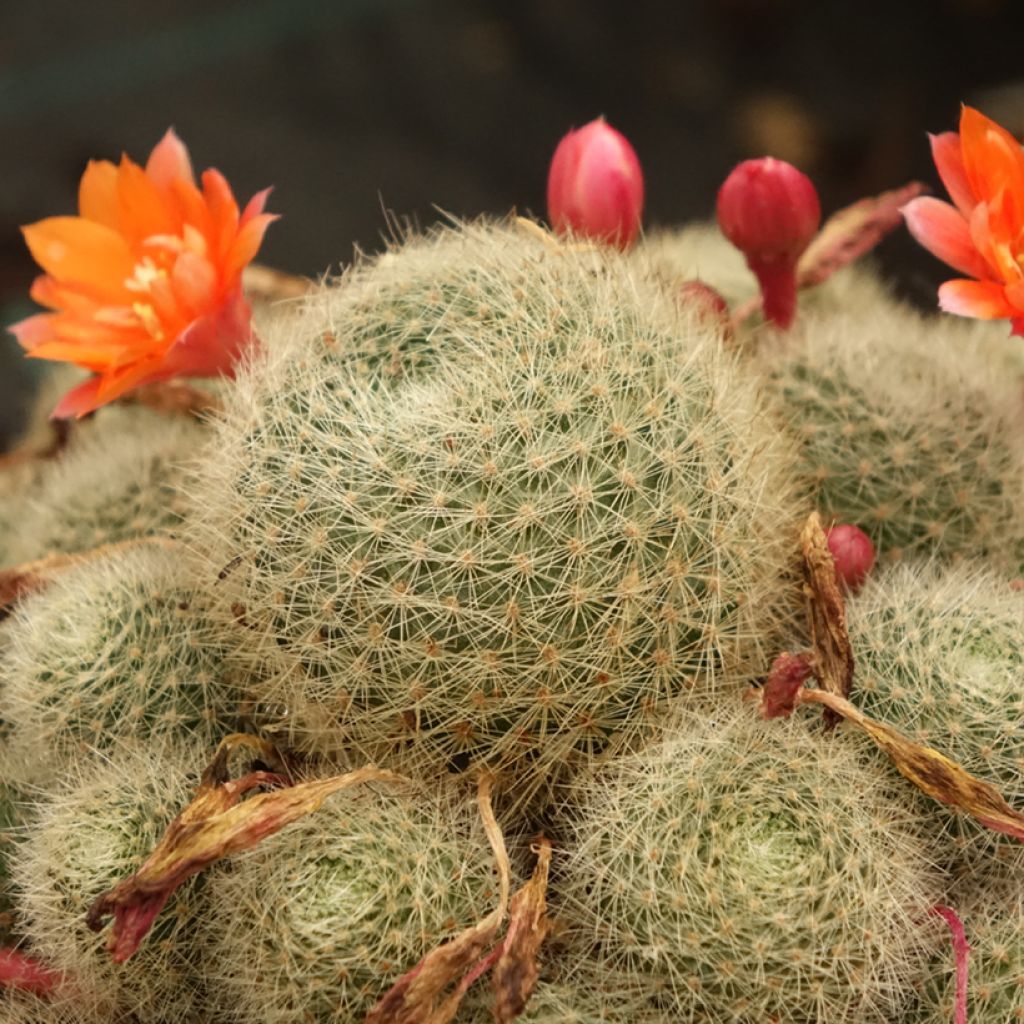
906,430
317,923
89,832
120,480
759,872
513,558
940,655
118,649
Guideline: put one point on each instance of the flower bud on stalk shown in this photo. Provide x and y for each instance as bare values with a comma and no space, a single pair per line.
596,186
770,211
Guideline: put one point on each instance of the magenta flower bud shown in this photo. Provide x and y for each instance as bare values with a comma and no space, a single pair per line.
770,211
595,185
853,553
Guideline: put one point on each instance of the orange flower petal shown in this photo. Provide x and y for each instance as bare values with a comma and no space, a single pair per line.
97,193
993,159
143,210
223,210
72,249
33,330
246,245
169,161
982,299
63,295
943,231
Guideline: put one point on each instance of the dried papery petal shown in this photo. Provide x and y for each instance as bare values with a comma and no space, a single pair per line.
852,232
826,614
786,677
961,951
930,771
515,974
212,826
418,996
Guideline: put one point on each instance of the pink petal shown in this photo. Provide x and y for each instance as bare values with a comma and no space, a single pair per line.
169,161
255,205
949,162
33,330
943,231
79,401
247,244
961,952
194,281
214,343
984,300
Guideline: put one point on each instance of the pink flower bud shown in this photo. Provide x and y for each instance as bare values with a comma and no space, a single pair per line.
853,553
770,211
595,185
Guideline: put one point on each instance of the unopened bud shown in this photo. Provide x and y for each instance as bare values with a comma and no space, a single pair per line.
596,186
853,553
770,211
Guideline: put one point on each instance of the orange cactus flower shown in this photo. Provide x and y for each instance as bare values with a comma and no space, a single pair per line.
146,283
982,233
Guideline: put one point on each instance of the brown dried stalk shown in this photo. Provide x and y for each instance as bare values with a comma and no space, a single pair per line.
214,825
826,615
930,771
173,398
270,285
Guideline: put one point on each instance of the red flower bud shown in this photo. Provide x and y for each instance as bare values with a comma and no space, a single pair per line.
853,553
595,185
770,211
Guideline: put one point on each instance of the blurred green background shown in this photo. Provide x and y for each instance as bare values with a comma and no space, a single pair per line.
360,111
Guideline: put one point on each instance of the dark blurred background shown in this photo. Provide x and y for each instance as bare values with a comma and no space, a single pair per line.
358,109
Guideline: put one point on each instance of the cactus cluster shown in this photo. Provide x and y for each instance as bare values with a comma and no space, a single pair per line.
511,563
762,876
492,501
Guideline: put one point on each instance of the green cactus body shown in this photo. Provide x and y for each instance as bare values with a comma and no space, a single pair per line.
757,870
585,999
940,655
317,922
992,912
522,554
115,648
89,833
906,430
121,479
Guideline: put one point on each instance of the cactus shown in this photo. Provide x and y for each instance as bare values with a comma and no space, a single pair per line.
121,479
89,833
518,554
758,869
318,921
117,648
993,918
584,999
906,429
940,656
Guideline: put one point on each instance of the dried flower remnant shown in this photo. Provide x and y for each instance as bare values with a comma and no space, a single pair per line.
770,211
145,284
981,233
596,186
